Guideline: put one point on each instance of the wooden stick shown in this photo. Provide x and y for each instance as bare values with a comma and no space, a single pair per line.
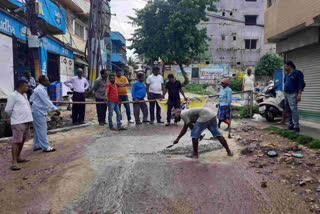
88,103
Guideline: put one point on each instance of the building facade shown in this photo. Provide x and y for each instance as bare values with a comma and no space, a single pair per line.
237,35
294,26
118,51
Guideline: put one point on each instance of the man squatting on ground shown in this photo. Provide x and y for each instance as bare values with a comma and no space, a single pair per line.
19,111
138,92
174,89
202,118
41,104
78,85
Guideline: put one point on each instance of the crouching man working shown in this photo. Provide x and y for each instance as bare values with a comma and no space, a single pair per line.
202,118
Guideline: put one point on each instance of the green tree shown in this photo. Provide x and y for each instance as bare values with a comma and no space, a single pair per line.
170,30
132,62
268,63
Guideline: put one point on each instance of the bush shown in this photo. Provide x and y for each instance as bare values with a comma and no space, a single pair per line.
315,144
196,89
236,84
301,139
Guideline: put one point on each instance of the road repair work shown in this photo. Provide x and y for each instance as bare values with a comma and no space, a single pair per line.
98,171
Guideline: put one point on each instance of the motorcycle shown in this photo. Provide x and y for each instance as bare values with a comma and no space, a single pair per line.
271,103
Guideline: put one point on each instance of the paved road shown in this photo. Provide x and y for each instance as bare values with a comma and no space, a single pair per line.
135,175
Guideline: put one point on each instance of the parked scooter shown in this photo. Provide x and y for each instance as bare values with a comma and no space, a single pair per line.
271,103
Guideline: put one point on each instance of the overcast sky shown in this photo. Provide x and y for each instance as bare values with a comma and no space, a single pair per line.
124,8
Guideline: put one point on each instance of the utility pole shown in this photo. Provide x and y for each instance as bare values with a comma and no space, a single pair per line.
32,24
98,27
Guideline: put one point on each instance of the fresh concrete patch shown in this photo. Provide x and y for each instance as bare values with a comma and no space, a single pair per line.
204,146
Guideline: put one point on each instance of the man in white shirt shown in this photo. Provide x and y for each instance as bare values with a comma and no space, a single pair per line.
78,85
248,82
19,110
155,90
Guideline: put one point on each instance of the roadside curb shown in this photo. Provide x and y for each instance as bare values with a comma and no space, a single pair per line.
53,131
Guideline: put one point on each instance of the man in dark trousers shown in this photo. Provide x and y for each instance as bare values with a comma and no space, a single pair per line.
138,93
174,89
293,87
155,91
99,88
78,85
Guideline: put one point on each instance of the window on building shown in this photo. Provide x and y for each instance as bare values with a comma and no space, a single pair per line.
79,30
231,13
69,23
234,38
223,14
251,43
207,62
238,63
250,20
271,2
223,37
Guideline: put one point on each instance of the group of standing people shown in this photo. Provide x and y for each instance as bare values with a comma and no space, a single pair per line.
114,92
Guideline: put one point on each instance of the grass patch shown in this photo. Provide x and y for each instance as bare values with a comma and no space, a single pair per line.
243,111
301,139
196,89
315,144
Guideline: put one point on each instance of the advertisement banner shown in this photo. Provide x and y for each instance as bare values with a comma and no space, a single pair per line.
43,60
53,15
10,25
166,73
180,77
190,103
52,45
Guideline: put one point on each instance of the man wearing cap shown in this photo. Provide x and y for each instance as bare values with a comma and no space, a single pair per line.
174,89
202,118
225,98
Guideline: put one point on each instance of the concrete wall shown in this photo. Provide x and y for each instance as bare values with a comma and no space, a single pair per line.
289,16
231,51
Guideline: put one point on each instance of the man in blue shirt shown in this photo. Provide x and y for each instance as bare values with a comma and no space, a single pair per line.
293,87
31,82
225,98
139,91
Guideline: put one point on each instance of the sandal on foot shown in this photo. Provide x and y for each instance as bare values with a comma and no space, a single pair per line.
14,168
192,156
23,161
49,149
167,124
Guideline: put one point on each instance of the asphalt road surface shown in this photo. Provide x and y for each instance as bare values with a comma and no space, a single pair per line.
136,174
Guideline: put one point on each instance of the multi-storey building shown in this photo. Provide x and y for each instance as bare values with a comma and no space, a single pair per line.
237,35
118,53
294,26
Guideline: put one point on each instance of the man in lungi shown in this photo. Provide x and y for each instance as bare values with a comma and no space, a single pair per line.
225,99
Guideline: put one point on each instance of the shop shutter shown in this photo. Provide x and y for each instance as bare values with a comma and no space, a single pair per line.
307,59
